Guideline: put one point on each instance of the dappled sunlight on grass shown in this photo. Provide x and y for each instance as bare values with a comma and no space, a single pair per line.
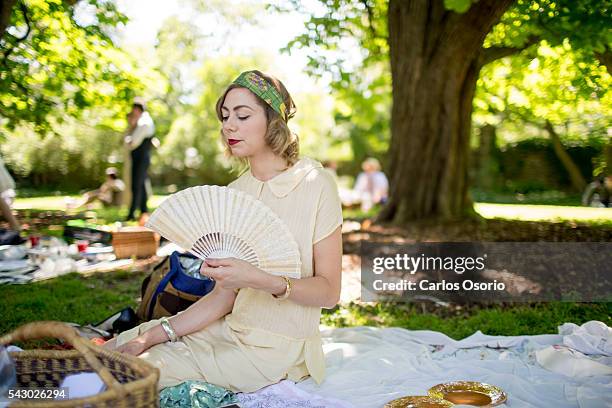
46,213
523,212
43,203
461,321
545,213
72,298
89,299
59,202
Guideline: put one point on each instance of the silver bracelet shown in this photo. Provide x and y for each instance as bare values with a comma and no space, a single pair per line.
165,324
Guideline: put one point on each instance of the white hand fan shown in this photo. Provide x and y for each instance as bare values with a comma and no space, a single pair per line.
221,222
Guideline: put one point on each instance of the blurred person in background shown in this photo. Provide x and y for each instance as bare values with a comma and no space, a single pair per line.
139,140
598,193
109,193
7,194
372,185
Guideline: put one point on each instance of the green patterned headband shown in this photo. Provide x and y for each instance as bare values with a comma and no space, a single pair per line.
260,87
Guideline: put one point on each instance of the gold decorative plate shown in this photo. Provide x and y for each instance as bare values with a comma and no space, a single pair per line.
469,393
418,402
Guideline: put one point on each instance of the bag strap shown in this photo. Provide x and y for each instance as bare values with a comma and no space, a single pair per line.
174,269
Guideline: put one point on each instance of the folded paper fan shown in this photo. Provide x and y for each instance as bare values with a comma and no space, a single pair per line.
221,222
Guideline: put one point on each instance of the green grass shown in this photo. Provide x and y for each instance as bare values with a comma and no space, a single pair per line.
359,214
98,214
70,298
59,202
552,213
523,212
79,299
550,197
508,320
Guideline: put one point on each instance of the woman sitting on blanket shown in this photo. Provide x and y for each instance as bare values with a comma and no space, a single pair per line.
255,329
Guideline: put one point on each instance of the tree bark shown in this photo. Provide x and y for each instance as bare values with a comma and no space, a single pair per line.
436,57
576,177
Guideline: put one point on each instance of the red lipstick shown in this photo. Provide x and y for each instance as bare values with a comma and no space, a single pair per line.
232,142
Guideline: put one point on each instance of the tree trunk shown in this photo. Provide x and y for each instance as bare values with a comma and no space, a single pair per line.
568,164
436,56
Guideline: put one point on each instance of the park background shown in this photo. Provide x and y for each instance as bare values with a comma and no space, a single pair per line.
509,106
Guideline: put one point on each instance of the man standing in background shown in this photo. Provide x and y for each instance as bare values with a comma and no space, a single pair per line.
139,141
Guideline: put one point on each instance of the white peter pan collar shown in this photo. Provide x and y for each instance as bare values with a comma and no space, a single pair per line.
282,184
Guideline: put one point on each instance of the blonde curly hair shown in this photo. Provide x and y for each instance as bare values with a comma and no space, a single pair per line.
279,137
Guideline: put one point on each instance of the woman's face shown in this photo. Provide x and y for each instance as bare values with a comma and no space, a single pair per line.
244,123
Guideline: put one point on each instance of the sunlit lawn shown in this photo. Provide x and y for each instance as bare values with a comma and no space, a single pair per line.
545,213
89,299
523,212
59,202
526,212
68,298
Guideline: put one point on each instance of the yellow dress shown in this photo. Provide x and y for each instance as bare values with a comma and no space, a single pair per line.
263,340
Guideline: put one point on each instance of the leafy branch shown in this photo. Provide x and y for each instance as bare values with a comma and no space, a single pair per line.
494,53
17,40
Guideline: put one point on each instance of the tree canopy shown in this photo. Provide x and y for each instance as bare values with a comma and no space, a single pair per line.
583,26
524,30
58,58
66,82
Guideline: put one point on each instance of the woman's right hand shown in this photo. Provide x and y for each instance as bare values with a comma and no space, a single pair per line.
134,347
232,273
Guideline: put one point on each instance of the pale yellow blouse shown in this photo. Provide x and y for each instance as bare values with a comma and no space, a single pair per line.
263,340
306,198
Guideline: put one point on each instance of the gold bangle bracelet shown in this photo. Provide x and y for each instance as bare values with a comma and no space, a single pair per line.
288,288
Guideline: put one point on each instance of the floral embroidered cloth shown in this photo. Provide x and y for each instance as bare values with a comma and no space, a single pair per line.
286,394
196,394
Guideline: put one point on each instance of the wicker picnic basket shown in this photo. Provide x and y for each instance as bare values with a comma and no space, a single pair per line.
135,241
130,381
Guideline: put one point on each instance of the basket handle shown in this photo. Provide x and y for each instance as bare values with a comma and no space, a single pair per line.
59,330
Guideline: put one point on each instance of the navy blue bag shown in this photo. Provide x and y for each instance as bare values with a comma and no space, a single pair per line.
173,286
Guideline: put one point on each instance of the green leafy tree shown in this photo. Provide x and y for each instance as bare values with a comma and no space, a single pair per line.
71,157
59,56
360,83
176,57
554,92
436,50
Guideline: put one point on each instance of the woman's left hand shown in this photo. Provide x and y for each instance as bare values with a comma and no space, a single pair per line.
135,346
231,273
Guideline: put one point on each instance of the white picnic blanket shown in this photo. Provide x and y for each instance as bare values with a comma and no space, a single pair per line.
368,367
